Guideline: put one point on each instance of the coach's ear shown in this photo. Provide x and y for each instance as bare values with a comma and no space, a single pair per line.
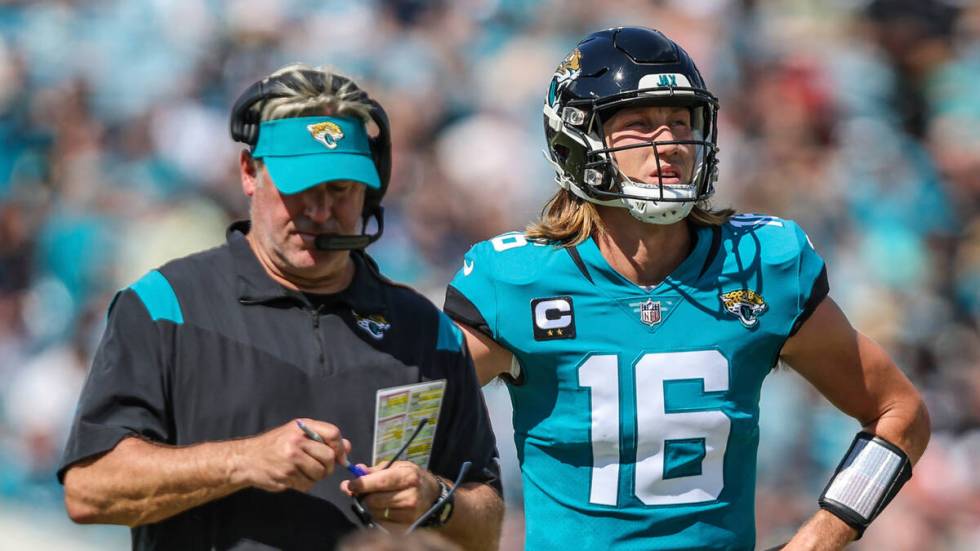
250,171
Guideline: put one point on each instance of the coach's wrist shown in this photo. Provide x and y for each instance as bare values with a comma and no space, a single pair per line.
430,490
443,507
235,463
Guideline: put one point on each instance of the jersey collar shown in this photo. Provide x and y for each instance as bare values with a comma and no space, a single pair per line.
365,294
684,275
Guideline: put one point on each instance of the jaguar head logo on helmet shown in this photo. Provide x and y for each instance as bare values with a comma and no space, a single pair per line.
570,67
617,69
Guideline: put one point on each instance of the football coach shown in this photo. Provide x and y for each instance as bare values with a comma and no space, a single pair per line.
233,386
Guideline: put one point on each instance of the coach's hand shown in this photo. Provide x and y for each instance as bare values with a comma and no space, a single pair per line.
398,494
284,457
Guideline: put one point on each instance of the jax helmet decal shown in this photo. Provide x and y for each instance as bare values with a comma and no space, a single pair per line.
568,70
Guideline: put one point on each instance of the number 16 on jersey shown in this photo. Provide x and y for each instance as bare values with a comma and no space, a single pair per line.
705,431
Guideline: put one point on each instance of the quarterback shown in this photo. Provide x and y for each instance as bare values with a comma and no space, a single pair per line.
634,325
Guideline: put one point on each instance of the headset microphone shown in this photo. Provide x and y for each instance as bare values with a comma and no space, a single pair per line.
334,242
331,242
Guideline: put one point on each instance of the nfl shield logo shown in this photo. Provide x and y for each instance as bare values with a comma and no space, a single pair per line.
650,312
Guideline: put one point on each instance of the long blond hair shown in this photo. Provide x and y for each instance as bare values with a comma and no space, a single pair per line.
568,220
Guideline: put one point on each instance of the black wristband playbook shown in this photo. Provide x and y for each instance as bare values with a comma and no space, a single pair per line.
868,478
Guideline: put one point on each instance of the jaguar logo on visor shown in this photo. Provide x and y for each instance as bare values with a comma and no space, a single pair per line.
326,133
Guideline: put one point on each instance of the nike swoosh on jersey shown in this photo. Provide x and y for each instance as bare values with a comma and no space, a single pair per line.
467,267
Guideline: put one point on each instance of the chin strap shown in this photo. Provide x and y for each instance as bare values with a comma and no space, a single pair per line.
334,242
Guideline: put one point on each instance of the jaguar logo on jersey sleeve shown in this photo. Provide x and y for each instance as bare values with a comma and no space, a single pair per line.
744,304
326,133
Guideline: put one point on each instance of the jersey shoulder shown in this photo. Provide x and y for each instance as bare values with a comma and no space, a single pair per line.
500,274
511,258
769,240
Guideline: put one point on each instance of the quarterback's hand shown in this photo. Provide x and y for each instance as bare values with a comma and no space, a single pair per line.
398,494
284,457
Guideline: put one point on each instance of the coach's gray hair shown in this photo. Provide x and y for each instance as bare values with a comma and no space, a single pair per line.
307,99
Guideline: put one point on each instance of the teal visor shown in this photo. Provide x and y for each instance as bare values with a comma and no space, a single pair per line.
302,152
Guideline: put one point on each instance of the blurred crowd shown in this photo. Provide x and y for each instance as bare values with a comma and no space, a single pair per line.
858,118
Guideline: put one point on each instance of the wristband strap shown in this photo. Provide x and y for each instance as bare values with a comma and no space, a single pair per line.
868,478
445,511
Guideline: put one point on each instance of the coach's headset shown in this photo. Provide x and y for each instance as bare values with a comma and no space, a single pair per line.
246,116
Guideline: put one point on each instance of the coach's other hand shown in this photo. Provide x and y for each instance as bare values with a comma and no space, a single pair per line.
399,494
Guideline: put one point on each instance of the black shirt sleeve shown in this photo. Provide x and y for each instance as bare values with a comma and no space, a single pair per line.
124,393
465,432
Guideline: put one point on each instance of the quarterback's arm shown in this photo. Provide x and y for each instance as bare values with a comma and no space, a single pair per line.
489,358
857,376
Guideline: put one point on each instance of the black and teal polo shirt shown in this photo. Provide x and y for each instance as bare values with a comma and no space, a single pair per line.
209,348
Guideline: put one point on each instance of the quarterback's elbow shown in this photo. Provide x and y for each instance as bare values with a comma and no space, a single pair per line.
905,423
920,428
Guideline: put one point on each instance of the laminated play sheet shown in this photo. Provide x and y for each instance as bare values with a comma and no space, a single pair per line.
398,411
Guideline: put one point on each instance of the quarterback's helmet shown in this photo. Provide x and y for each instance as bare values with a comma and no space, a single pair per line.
628,67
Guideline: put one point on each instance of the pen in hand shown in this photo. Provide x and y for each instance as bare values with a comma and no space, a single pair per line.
354,469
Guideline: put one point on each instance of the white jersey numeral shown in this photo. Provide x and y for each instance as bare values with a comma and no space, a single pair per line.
513,240
508,241
601,375
740,220
655,427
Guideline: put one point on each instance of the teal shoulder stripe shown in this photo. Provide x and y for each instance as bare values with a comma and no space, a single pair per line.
450,337
158,297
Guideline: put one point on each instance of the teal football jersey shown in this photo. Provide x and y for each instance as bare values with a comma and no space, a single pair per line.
636,410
